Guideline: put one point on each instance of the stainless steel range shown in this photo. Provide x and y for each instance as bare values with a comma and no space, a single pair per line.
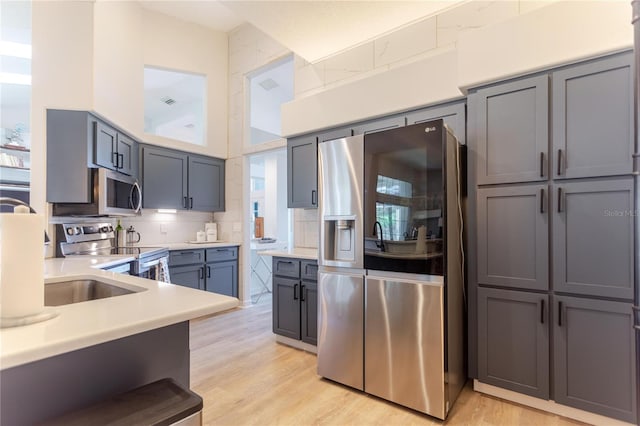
97,239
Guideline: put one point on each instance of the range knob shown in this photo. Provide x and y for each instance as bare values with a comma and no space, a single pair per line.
104,229
70,231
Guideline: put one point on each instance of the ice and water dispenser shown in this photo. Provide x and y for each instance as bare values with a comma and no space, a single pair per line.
340,238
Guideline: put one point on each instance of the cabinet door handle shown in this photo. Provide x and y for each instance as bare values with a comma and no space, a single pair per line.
542,311
541,164
201,273
302,288
120,161
559,200
313,197
541,200
295,292
190,202
114,156
559,162
559,314
184,202
208,271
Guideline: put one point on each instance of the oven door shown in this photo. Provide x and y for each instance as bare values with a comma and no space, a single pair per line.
118,194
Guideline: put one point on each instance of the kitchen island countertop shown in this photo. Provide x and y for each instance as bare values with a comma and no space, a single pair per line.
295,252
80,325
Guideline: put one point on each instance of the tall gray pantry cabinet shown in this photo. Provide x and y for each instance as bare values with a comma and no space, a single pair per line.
554,244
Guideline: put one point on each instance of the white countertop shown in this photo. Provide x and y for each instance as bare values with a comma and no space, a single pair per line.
193,246
296,252
80,325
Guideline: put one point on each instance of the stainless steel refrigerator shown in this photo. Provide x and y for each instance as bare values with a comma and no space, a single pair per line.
391,276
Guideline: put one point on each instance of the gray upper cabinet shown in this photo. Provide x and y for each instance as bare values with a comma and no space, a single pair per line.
593,238
513,341
595,356
177,180
513,229
512,131
453,116
593,118
378,125
206,183
164,178
302,172
113,149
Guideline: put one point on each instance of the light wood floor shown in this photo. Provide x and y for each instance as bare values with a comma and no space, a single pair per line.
246,378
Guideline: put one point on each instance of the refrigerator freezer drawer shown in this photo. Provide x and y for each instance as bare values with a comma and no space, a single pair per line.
340,328
404,343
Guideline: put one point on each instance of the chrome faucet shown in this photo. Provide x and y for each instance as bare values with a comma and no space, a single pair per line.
380,243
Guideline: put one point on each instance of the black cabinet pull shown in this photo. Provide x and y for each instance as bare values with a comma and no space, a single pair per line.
201,273
542,164
542,311
120,161
541,200
208,271
302,288
285,262
190,202
559,162
559,314
559,200
313,197
184,202
295,292
114,156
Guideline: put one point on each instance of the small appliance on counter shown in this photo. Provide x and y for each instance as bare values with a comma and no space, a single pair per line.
96,239
211,230
133,236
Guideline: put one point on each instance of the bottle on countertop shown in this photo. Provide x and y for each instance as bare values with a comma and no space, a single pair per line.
120,234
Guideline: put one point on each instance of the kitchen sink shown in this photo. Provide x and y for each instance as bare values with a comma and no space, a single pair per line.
76,291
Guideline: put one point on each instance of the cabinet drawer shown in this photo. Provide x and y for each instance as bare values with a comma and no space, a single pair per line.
222,253
309,270
185,257
286,267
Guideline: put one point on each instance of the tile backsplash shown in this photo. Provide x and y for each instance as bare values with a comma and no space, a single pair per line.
305,228
161,228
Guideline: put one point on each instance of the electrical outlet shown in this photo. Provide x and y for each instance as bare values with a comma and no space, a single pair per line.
163,228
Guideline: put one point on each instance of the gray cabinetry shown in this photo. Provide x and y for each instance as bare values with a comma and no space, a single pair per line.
513,229
302,172
595,356
164,178
206,183
512,131
593,118
113,149
593,238
78,141
213,269
295,299
379,124
513,340
177,180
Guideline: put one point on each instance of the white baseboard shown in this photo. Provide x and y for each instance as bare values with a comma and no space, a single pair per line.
298,344
549,406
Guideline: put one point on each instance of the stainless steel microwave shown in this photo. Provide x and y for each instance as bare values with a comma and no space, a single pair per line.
114,194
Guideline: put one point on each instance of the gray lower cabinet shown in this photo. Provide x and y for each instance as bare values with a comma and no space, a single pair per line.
295,299
178,180
593,238
513,340
512,131
302,172
213,269
188,276
593,118
595,356
513,231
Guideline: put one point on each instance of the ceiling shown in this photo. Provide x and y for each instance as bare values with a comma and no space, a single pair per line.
312,29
